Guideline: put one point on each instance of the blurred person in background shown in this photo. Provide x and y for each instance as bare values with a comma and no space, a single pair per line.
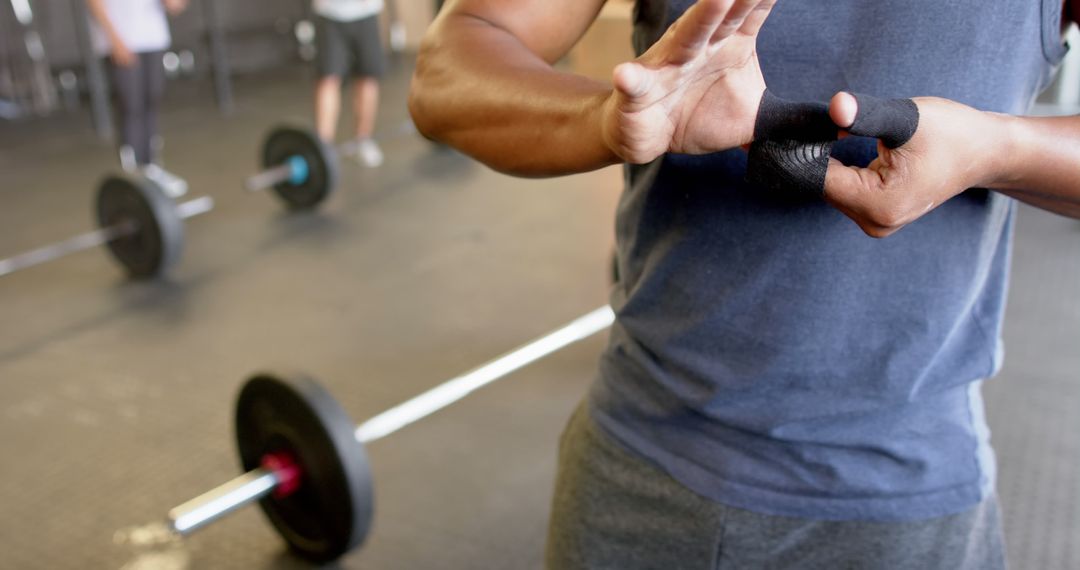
134,35
349,46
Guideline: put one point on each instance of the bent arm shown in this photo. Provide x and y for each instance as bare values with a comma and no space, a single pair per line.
485,83
1046,158
1051,187
1041,161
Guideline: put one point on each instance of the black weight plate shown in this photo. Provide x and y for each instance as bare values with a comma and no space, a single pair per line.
330,513
158,239
285,142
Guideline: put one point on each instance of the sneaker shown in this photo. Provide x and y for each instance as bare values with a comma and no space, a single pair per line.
127,159
368,153
171,184
397,37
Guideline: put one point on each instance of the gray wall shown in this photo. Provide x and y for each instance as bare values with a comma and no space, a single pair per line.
258,32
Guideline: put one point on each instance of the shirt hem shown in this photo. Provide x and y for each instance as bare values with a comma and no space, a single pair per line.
903,508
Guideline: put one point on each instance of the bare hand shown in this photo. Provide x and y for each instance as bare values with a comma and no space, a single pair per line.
696,90
175,7
948,154
121,55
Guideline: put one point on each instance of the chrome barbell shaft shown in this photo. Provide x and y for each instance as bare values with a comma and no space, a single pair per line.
81,242
92,239
255,484
269,177
195,207
222,500
458,387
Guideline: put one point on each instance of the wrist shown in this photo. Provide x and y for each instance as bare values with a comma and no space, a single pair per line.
603,121
1004,163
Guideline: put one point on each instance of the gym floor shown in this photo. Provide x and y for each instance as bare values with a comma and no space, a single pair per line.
116,397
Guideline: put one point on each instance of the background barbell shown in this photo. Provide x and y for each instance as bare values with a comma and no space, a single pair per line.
306,460
139,224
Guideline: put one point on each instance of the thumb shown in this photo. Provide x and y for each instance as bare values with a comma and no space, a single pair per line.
848,186
632,80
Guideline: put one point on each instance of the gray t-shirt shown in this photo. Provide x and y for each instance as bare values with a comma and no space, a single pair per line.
769,355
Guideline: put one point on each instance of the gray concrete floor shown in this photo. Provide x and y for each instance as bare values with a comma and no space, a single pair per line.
115,397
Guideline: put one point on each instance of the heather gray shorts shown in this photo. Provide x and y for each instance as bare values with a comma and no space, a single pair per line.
349,49
615,510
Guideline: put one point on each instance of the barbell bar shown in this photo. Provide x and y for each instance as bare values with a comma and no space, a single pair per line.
141,226
306,460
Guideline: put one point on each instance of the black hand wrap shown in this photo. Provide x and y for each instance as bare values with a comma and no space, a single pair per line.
791,145
792,140
894,121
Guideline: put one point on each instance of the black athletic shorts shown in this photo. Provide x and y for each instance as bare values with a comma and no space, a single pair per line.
349,48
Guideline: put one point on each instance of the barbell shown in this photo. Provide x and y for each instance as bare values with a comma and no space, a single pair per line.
301,168
140,225
306,462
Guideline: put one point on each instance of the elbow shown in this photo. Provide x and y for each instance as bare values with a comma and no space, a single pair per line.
419,110
423,108
418,106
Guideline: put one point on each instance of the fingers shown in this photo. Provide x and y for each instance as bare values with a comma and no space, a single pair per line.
859,194
710,21
846,184
842,109
756,18
893,121
845,189
734,19
696,26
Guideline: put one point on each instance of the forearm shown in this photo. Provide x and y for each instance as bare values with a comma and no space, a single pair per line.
1040,162
515,112
1049,203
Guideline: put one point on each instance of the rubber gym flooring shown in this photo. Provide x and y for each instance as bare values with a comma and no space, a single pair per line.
115,397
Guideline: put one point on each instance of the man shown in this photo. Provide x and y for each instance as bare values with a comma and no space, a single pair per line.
780,390
349,45
134,34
